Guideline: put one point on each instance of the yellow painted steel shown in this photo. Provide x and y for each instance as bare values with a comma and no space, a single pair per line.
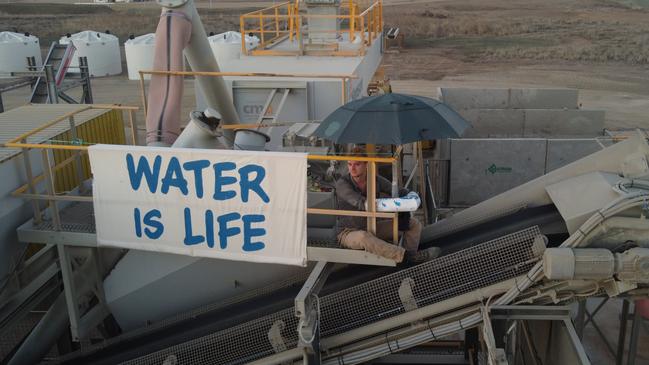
288,13
105,128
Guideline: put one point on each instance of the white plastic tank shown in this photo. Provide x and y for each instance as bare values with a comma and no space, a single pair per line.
14,50
227,46
101,49
139,55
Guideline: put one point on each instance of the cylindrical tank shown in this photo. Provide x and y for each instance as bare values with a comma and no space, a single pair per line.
250,140
227,46
14,50
101,49
139,55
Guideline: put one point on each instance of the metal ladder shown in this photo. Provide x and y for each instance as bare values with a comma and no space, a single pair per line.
264,116
59,58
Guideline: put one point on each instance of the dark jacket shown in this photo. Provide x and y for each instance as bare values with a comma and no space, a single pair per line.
350,197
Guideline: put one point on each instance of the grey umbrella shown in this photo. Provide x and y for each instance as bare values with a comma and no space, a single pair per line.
391,119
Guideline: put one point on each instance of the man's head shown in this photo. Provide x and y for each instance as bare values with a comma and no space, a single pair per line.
357,169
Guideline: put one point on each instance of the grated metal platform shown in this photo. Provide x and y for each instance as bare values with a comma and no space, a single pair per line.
433,282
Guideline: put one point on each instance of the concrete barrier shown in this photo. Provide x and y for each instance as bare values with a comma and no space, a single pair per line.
561,152
494,123
532,123
482,168
523,98
563,123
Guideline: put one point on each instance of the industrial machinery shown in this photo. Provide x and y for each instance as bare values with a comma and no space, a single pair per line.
509,266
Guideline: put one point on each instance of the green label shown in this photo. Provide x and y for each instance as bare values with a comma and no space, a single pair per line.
493,169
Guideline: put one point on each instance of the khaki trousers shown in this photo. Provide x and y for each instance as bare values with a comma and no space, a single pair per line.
363,240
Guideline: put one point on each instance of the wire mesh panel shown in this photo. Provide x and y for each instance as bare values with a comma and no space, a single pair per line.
432,282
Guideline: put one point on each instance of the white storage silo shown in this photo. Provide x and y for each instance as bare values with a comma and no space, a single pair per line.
101,49
227,46
139,55
14,50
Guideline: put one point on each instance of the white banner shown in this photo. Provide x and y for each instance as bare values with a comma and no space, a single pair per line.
234,205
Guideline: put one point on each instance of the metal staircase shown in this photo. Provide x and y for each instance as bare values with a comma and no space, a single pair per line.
59,58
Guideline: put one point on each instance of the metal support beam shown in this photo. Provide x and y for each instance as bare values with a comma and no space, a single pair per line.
53,97
307,309
85,76
621,339
70,291
543,313
580,318
67,98
77,155
635,333
30,183
496,356
49,185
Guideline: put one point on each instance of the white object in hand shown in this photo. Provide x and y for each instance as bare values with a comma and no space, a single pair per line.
408,203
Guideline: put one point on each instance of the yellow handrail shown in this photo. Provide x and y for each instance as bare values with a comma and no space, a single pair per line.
268,21
14,142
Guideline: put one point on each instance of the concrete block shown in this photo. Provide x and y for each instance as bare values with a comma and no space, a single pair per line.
523,98
494,123
564,151
563,123
483,168
467,98
543,99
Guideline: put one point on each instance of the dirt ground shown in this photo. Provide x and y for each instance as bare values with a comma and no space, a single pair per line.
600,47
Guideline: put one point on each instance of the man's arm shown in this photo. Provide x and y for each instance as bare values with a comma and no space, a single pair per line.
345,192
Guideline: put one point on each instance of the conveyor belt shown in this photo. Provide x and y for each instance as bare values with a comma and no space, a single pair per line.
353,297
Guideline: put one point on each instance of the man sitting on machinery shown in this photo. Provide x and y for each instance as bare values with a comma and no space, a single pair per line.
351,194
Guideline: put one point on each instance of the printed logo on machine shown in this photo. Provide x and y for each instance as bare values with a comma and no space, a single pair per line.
495,169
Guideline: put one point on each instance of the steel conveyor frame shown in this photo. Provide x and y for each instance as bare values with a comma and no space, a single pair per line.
346,307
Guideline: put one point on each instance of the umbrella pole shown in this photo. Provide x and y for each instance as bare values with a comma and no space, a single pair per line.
396,171
422,179
371,190
395,179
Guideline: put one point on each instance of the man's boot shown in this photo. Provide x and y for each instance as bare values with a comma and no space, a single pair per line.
424,255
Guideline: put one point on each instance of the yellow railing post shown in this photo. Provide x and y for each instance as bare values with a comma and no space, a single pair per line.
363,33
378,21
381,15
371,196
298,21
242,30
298,32
290,22
261,29
351,21
276,22
131,122
143,93
369,26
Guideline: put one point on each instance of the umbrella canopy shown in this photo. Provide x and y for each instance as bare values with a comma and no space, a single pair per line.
391,119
